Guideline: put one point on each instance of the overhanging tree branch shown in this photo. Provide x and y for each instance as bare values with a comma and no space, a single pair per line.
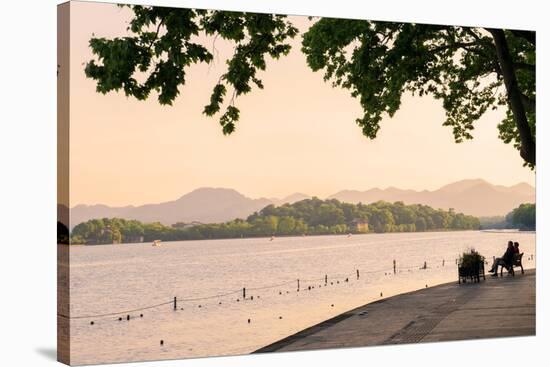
453,63
156,34
528,148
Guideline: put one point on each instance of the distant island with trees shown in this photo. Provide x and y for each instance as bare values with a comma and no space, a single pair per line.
523,218
306,217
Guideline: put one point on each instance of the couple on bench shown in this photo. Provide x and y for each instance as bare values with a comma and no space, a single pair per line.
512,257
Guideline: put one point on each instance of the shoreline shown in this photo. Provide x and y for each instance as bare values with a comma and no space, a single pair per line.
307,236
425,315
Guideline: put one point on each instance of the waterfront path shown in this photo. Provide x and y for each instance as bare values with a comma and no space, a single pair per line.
497,307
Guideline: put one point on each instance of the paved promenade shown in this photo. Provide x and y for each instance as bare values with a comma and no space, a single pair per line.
497,307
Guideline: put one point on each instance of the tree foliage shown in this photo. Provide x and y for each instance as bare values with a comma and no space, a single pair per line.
306,217
379,61
523,217
162,47
470,69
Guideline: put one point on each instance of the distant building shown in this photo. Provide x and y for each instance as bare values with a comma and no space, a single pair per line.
359,226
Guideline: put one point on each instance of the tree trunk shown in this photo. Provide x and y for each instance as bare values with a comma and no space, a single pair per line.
528,148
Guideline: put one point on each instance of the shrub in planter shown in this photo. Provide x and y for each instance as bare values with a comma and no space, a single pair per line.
471,264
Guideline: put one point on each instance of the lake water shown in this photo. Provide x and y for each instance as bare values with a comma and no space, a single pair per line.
114,278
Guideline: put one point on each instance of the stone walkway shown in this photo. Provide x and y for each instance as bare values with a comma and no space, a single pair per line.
497,307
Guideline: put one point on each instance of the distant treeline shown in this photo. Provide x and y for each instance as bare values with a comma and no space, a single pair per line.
306,217
523,217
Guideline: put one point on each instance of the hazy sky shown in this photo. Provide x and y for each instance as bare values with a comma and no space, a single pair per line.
296,135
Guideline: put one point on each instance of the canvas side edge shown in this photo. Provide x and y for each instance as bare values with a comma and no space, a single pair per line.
63,205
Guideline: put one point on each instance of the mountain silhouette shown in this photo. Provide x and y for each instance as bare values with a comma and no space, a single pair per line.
474,197
211,205
206,205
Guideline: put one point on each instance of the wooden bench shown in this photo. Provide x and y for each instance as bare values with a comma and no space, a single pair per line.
515,262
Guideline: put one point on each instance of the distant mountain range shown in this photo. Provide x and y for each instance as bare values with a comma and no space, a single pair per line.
475,197
205,205
210,205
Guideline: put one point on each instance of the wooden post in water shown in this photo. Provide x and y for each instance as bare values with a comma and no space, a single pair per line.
357,273
244,293
443,264
326,279
425,266
298,281
175,304
394,267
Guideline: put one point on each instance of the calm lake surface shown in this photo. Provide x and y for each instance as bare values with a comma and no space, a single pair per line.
114,278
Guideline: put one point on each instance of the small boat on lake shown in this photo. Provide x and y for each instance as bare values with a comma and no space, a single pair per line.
156,243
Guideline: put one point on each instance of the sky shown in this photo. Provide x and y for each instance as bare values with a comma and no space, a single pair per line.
298,134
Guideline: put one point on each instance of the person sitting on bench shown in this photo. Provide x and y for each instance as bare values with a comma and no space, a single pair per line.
516,247
504,260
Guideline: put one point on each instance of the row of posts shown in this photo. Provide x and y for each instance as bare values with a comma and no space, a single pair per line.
425,266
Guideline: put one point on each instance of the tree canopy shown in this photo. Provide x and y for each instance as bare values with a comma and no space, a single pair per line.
306,217
523,217
470,69
162,47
